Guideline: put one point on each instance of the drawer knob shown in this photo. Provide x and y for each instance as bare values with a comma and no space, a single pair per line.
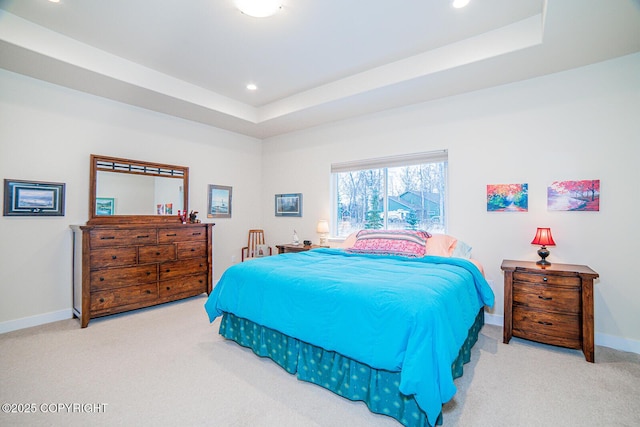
545,298
148,273
157,253
101,299
544,279
168,271
148,291
102,279
114,257
168,288
193,250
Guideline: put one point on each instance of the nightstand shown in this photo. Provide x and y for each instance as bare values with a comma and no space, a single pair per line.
288,247
551,305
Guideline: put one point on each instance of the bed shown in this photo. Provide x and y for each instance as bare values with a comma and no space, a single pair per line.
383,321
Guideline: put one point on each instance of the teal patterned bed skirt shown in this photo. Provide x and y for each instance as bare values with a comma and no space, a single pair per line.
345,377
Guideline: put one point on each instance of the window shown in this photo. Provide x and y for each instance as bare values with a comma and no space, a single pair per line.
402,192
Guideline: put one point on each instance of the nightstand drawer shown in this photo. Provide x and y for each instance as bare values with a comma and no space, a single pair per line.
558,329
549,298
550,279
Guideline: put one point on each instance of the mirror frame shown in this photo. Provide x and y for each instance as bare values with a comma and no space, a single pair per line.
135,167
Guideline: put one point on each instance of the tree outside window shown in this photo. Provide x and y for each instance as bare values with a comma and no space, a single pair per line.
402,197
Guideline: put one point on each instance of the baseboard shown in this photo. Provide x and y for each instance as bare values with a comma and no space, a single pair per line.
40,319
617,343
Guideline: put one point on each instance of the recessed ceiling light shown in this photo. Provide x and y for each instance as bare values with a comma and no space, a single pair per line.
258,8
54,1
252,86
459,4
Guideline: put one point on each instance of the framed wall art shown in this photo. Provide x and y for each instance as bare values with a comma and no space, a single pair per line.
33,198
507,197
574,195
219,201
288,204
105,206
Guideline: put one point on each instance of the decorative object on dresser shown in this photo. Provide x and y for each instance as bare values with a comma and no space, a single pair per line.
543,237
138,256
549,304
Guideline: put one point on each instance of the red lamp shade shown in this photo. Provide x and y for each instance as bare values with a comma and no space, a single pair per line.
543,237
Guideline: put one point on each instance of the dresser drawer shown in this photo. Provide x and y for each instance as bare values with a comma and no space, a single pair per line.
115,298
192,250
170,270
100,238
113,257
181,234
157,253
551,279
192,285
548,298
552,328
111,278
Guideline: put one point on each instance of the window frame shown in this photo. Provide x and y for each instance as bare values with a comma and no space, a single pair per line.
385,163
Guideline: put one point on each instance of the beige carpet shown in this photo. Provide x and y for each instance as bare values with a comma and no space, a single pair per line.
167,366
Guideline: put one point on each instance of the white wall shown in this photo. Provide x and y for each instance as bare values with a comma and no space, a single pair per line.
580,124
47,134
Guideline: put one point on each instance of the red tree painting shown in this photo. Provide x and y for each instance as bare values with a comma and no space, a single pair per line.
574,195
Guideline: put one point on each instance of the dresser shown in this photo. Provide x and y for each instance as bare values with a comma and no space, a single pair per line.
552,305
126,266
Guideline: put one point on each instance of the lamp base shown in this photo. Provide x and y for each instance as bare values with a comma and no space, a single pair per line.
543,252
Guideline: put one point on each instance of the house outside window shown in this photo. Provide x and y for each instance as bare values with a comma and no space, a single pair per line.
396,193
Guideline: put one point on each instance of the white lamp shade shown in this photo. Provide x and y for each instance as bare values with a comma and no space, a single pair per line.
323,226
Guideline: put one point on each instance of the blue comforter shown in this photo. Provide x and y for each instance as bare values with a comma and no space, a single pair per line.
393,313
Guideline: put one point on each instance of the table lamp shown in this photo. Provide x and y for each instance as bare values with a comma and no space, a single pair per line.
323,230
543,237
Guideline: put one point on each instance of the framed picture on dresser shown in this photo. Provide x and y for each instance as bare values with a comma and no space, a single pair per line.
33,198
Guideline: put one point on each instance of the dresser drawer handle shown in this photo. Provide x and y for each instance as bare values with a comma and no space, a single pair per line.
167,270
545,298
102,279
168,288
148,273
107,238
172,235
101,300
193,250
114,257
545,323
544,279
201,281
143,237
157,253
196,234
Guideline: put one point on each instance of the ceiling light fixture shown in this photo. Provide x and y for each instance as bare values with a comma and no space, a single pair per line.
459,4
252,86
258,8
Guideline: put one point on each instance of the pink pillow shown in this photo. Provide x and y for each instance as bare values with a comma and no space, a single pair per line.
391,242
441,245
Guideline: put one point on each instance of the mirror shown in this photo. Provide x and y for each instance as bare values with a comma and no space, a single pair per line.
136,190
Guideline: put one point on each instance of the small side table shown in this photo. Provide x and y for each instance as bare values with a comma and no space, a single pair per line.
288,247
552,305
